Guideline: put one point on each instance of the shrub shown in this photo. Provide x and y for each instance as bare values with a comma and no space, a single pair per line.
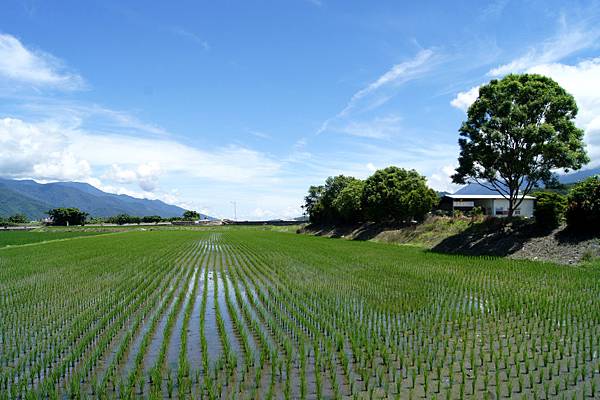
348,202
396,194
18,219
549,209
583,211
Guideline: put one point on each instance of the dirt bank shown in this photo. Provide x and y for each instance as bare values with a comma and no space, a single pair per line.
520,239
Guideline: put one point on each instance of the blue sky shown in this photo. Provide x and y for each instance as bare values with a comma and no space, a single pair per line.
205,103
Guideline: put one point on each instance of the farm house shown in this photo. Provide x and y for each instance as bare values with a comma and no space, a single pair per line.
491,204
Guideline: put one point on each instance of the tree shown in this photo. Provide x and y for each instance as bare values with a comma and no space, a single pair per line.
312,203
18,219
396,194
318,204
190,215
583,210
348,203
518,130
549,209
333,186
151,219
122,219
67,216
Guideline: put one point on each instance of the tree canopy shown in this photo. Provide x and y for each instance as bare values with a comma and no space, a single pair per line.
391,194
518,130
67,216
190,215
18,218
583,212
396,194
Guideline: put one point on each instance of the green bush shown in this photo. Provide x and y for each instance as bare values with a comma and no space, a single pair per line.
396,194
583,211
348,202
549,209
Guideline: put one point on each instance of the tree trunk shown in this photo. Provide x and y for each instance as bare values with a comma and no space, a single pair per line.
511,203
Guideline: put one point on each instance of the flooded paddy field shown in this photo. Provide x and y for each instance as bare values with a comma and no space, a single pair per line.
253,314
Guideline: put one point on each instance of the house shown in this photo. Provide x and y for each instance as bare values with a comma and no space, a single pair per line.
491,204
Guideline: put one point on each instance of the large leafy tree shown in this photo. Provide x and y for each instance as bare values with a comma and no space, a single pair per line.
67,216
190,215
319,203
348,202
396,194
518,130
312,203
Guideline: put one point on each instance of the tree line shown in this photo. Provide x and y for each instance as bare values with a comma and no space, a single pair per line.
391,194
64,216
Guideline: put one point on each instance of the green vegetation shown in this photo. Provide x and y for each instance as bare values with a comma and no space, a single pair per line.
389,195
25,237
190,215
242,313
550,209
518,130
67,216
15,219
583,212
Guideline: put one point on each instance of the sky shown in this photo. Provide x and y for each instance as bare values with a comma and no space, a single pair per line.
202,104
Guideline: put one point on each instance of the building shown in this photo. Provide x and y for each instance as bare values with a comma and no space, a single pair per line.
491,204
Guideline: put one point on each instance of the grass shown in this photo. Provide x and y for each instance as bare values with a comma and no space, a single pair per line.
11,238
293,316
427,234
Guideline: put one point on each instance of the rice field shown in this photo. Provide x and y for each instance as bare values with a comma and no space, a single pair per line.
11,238
255,314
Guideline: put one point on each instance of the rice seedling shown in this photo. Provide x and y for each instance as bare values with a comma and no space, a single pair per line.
294,317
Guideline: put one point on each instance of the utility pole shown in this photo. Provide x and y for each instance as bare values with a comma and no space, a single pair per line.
234,210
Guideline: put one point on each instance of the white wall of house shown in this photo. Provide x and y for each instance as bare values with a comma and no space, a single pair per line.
525,208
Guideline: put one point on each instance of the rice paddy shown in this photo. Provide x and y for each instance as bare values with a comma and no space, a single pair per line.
12,238
255,314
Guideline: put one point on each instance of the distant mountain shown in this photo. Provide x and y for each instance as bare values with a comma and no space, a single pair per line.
34,199
577,176
565,179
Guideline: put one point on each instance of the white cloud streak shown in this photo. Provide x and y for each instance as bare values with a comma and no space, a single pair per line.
568,41
382,89
35,68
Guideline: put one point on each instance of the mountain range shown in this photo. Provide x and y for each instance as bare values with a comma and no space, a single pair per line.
35,199
565,179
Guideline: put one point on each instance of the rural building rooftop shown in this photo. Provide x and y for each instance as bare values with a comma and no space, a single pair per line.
482,196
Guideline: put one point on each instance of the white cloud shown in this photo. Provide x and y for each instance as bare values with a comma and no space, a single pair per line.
582,80
317,3
371,167
463,100
145,175
120,175
33,150
377,128
398,74
17,63
38,151
569,40
441,180
383,88
179,31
